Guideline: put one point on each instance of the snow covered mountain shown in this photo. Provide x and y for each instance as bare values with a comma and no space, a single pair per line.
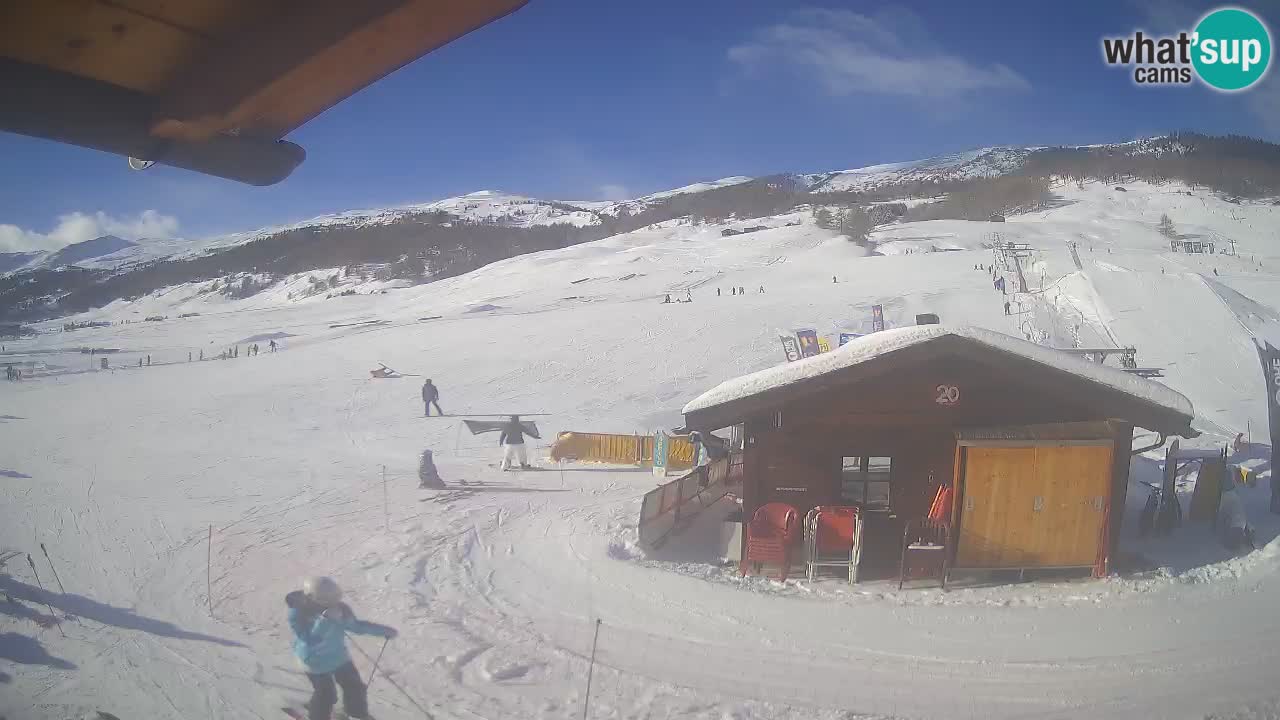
511,210
986,162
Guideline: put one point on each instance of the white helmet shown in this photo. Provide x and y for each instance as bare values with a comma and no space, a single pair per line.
322,590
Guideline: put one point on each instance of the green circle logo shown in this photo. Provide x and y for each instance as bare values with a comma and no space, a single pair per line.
1232,49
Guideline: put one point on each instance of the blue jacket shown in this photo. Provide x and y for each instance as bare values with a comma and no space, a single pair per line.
319,641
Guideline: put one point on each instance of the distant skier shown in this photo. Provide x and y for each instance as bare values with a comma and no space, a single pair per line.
202,355
761,289
742,290
1215,272
428,476
512,441
733,290
272,345
833,280
717,292
320,622
1006,307
430,396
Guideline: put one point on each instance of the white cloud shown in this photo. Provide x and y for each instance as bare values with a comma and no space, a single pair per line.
614,192
78,227
889,54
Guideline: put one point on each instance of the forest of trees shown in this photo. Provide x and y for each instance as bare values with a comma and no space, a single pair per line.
437,245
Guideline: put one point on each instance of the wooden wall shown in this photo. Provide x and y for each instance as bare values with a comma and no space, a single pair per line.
793,455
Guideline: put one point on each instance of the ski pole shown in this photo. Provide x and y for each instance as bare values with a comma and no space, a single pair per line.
377,660
52,614
53,569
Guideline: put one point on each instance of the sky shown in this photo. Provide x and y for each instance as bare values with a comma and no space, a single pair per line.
588,100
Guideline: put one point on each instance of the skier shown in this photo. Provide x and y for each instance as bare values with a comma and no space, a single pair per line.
430,396
833,279
717,292
512,441
428,476
320,622
742,290
1006,307
272,345
202,355
761,289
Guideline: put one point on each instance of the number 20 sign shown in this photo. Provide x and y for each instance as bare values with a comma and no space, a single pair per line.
947,395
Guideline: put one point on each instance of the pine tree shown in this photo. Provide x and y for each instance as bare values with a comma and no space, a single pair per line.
855,224
824,218
1166,227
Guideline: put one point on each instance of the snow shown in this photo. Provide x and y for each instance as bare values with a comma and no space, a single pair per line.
985,162
870,347
495,588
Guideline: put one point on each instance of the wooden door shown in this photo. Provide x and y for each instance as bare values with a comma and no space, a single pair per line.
991,526
1075,488
1027,507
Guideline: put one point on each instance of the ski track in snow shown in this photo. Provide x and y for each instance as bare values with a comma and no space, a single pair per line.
495,586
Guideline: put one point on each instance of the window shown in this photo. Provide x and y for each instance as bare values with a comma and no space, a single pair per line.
865,480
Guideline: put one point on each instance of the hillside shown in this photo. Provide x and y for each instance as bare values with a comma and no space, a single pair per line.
436,240
495,588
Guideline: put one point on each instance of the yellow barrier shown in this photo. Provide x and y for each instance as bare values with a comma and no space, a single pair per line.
620,449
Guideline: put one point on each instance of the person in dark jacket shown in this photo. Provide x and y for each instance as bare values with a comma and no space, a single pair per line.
430,396
320,622
428,476
512,441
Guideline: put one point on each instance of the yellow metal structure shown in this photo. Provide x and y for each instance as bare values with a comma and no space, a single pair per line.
620,449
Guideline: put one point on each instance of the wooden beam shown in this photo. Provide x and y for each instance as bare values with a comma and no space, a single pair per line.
275,76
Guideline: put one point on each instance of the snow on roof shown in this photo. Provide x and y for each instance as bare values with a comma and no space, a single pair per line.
872,346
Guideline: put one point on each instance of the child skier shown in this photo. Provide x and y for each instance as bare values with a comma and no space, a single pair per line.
320,621
428,476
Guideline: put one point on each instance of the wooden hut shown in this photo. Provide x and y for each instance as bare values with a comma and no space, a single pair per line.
1034,443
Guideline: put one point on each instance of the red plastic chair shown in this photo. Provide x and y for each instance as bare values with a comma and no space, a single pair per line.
833,538
770,536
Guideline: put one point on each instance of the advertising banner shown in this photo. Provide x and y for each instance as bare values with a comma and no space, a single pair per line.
808,342
790,348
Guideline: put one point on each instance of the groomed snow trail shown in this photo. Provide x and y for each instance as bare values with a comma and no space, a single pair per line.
496,586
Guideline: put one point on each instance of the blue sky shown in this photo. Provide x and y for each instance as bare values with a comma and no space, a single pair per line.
581,99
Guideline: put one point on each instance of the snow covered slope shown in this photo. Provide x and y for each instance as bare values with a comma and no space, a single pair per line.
986,162
519,211
278,460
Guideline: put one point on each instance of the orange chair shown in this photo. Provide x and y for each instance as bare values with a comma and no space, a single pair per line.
770,537
833,538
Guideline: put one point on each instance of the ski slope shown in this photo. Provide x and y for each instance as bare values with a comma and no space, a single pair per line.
272,468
